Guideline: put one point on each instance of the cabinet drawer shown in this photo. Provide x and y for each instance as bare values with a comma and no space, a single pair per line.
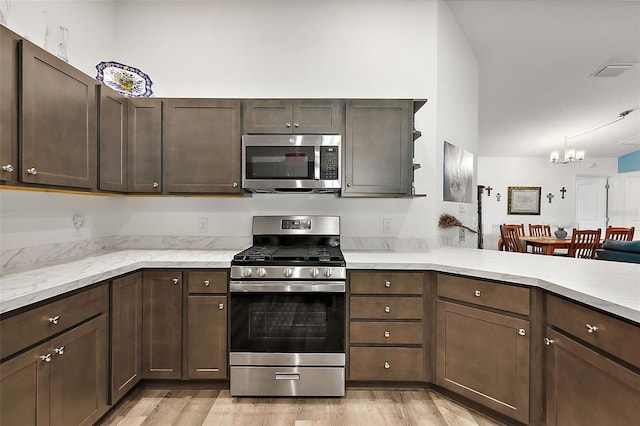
386,307
30,327
391,333
386,283
207,281
612,335
493,295
386,364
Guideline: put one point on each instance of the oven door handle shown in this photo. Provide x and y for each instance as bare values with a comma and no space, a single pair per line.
287,287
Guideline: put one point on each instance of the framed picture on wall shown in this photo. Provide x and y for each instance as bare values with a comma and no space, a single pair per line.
523,200
458,174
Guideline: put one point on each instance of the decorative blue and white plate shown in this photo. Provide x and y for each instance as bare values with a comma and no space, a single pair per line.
124,79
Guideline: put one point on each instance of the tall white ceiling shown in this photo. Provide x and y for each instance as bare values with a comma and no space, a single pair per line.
537,59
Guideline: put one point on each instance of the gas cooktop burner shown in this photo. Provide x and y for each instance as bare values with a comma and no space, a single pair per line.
289,254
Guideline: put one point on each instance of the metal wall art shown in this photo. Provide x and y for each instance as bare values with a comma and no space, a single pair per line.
458,174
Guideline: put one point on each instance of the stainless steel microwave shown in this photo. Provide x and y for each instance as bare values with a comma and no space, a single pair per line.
291,163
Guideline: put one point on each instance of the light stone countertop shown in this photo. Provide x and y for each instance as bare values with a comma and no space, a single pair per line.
613,287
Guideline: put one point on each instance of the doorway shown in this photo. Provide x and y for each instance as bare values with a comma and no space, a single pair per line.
591,202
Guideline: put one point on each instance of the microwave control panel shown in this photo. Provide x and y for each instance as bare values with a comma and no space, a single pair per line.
329,160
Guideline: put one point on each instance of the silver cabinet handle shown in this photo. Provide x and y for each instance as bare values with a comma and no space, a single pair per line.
387,334
32,171
296,124
387,309
235,184
7,168
46,358
387,365
522,331
176,281
387,284
287,124
221,306
348,185
206,283
476,293
155,184
591,328
54,320
59,350
548,341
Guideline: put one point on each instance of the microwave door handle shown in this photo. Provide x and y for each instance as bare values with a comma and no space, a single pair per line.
316,167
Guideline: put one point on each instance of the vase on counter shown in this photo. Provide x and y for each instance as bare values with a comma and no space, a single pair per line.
560,233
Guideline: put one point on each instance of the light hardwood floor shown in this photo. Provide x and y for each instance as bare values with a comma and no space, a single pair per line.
185,407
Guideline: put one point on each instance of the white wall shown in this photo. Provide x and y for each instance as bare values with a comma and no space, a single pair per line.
345,49
500,173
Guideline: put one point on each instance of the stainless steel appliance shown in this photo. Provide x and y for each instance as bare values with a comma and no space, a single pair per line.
291,163
287,309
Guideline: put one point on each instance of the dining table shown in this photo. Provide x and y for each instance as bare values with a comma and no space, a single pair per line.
547,245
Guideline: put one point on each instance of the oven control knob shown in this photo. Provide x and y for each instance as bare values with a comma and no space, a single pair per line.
288,272
246,272
328,272
314,272
261,272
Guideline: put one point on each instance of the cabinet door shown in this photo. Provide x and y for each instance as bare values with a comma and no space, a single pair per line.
325,116
145,145
126,334
268,116
9,44
79,372
586,388
484,356
113,141
162,325
59,138
207,337
24,388
202,145
378,151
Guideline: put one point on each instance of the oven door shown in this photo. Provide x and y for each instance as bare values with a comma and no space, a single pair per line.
287,321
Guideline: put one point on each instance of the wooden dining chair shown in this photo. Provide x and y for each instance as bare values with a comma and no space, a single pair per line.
520,228
539,230
511,238
584,243
619,233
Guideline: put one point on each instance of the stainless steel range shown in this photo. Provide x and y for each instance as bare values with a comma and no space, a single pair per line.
287,309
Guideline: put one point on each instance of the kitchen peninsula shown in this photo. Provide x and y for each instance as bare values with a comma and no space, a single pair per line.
527,306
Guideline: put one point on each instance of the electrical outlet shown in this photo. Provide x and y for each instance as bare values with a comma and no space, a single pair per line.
78,222
203,225
386,225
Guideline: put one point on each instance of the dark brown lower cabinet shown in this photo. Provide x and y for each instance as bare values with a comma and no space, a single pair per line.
484,356
126,334
162,324
586,388
206,349
61,382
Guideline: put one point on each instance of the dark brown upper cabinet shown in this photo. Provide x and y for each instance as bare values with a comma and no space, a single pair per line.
112,142
9,44
145,145
323,116
378,148
59,122
201,140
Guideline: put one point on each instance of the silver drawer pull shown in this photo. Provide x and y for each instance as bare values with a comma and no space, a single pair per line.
221,306
176,280
387,284
548,341
387,309
477,293
59,350
46,358
387,365
54,320
522,331
591,328
387,334
287,376
206,283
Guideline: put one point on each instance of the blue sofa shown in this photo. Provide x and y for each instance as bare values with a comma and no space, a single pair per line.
620,251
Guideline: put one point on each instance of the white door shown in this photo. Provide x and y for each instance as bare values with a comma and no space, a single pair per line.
591,202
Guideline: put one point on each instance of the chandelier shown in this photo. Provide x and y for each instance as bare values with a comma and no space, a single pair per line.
575,155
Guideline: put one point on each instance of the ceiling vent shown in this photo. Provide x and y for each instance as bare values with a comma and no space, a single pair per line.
612,70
